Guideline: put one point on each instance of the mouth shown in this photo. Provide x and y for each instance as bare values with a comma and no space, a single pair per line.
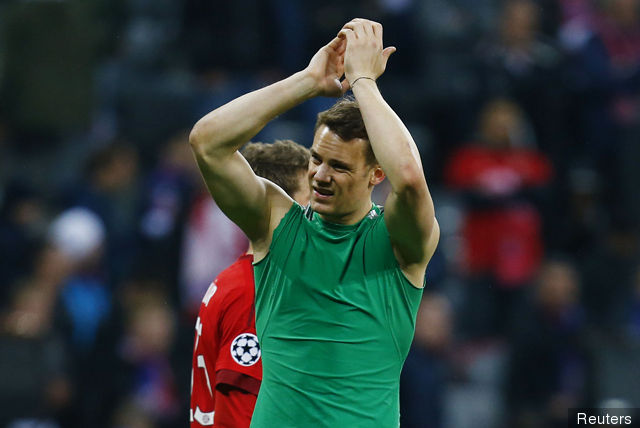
321,193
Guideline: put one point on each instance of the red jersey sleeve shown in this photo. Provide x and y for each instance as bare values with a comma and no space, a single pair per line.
239,347
234,409
227,367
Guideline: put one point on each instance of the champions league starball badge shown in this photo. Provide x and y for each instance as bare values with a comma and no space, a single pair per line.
245,349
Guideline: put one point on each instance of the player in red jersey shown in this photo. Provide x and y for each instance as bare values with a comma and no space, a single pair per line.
226,368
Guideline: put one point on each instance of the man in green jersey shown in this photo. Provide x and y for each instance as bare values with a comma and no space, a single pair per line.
338,283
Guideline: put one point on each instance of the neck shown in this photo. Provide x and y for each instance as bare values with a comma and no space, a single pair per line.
349,218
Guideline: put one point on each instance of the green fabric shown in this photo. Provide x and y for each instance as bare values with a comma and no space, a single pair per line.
335,317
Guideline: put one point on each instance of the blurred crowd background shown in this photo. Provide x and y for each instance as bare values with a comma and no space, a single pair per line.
527,116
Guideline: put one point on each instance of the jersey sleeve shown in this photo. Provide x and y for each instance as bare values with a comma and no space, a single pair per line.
227,369
234,409
239,363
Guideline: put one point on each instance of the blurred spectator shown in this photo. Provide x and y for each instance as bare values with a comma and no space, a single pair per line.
608,269
426,372
168,193
138,371
22,224
457,22
605,80
211,243
502,231
146,348
550,367
580,218
79,235
476,398
84,299
447,29
111,191
36,385
520,63
149,34
575,10
130,415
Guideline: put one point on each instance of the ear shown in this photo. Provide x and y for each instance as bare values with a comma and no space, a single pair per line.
376,175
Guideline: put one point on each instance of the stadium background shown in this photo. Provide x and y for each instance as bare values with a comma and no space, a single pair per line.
527,115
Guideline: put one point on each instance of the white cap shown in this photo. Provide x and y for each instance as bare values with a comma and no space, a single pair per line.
77,232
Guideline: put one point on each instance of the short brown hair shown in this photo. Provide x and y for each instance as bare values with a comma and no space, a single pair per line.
345,120
280,162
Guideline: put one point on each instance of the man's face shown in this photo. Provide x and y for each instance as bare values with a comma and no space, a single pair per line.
340,179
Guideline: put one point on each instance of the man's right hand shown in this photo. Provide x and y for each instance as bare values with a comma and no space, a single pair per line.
326,68
365,55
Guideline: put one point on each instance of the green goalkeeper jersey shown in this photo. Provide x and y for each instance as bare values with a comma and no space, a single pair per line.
335,317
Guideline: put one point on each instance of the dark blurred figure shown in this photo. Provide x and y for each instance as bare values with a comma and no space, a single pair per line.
83,299
447,30
580,218
550,364
169,189
522,64
35,366
608,269
605,84
137,371
500,178
111,191
22,225
426,371
130,415
79,235
617,347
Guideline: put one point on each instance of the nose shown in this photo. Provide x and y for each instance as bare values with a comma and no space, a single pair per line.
322,174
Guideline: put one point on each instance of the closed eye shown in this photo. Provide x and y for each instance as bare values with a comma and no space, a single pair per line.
340,167
315,158
336,165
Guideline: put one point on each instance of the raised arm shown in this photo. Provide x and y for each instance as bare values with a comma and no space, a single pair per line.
254,204
409,211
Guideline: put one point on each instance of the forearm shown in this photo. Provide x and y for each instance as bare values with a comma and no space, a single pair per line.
224,130
390,140
409,213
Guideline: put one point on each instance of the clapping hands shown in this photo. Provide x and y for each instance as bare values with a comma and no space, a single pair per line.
357,51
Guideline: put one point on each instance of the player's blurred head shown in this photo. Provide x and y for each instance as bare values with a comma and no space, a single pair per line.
284,163
502,124
520,23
